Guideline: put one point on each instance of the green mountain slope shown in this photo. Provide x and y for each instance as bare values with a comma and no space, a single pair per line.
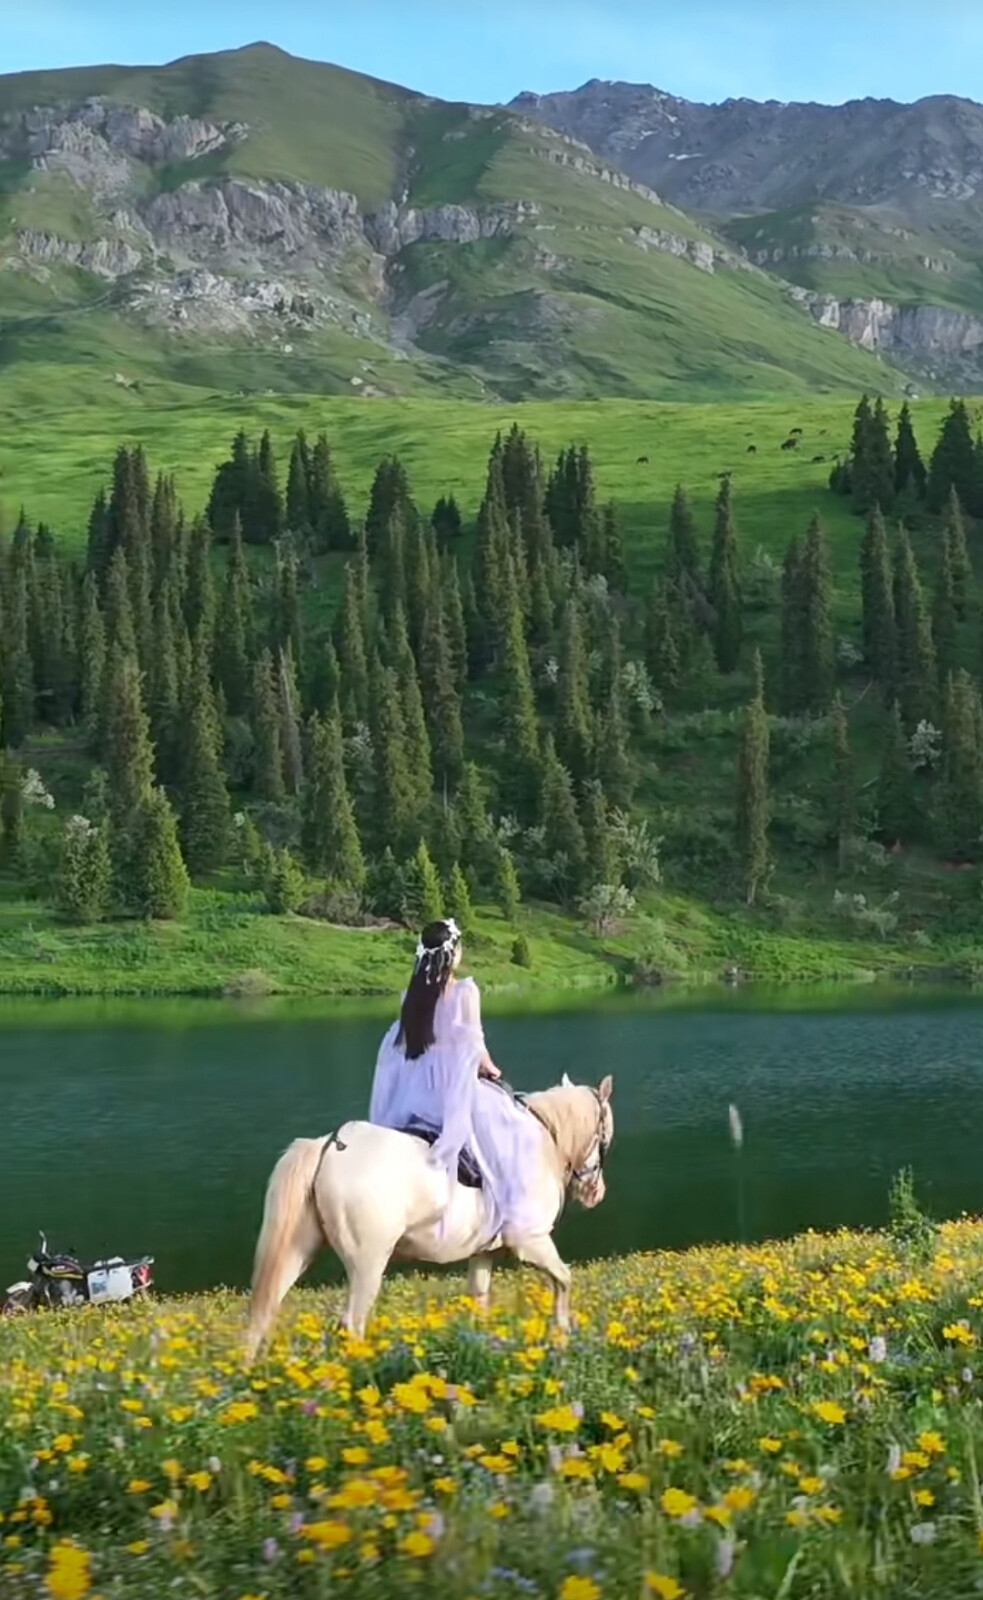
249,221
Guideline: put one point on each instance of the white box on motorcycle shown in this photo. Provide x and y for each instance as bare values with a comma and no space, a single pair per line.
109,1283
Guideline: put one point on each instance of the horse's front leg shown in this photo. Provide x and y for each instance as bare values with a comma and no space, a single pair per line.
540,1251
479,1280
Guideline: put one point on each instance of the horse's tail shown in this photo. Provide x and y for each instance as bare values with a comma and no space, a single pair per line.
287,1238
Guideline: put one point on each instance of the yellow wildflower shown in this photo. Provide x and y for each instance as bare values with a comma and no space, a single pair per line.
829,1411
677,1503
661,1584
418,1544
560,1419
575,1587
328,1535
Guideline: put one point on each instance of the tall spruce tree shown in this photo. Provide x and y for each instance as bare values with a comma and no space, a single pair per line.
944,616
960,802
725,585
395,812
753,809
661,649
329,835
199,599
349,640
206,818
877,601
234,629
563,835
842,787
684,567
265,722
955,539
895,797
574,731
910,475
521,775
442,703
915,680
159,879
816,655
953,462
92,656
418,754
297,505
790,662
163,693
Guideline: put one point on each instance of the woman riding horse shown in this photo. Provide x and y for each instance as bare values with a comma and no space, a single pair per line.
434,1072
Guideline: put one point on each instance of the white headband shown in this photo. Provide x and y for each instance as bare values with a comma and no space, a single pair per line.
453,939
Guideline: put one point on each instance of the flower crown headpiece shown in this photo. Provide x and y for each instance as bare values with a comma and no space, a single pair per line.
436,955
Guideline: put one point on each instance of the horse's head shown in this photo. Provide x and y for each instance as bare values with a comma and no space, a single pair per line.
591,1135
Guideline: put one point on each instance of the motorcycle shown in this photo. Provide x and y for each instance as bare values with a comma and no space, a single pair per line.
62,1280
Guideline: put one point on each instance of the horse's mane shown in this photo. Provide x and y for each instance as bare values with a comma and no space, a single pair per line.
570,1114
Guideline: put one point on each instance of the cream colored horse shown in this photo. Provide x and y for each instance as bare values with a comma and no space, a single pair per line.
372,1194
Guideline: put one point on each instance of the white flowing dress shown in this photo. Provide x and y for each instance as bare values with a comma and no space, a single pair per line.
442,1090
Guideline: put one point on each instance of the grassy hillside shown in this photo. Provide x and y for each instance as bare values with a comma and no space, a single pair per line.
565,303
74,430
791,1419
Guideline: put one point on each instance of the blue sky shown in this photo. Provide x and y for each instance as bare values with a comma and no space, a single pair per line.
460,49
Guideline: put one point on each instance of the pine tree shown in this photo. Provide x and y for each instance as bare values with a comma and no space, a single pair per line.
158,886
521,776
164,692
389,497
725,587
753,809
97,550
128,754
285,628
329,835
816,650
84,872
563,836
417,738
199,601
16,667
944,616
395,809
602,854
614,550
872,467
233,632
283,881
959,562
507,891
574,731
953,463
349,642
661,650
960,808
457,899
288,716
877,602
11,809
323,686
298,510
491,569
265,503
473,824
916,657
910,476
265,722
445,519
684,567
442,702
120,631
164,521
424,895
791,626
454,624
842,791
421,583
327,509
895,805
205,812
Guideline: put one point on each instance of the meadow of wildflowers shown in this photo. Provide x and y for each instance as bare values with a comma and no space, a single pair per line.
791,1420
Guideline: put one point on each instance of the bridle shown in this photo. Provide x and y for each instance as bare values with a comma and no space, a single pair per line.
597,1151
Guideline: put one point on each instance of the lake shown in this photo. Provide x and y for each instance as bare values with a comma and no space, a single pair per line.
153,1126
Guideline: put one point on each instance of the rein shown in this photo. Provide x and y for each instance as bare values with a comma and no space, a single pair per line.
573,1174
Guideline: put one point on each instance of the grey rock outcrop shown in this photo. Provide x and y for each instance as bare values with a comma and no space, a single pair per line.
106,258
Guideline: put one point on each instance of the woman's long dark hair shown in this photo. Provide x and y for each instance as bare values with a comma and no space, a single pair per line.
434,965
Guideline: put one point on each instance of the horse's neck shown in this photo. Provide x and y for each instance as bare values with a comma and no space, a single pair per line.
567,1115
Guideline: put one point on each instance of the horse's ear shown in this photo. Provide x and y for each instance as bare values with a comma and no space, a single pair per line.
565,1082
605,1089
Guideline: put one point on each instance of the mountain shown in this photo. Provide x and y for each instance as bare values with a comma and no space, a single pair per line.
874,209
255,222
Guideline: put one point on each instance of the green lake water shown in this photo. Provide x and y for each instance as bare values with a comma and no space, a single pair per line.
153,1126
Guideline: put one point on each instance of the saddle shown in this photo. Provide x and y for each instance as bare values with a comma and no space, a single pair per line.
468,1174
